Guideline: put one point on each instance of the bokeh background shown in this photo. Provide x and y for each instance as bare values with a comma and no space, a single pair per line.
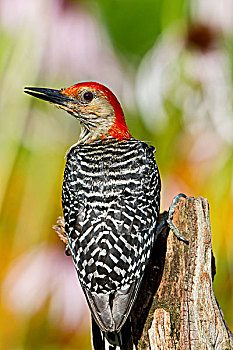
170,62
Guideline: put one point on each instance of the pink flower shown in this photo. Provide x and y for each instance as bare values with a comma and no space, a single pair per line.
46,273
68,41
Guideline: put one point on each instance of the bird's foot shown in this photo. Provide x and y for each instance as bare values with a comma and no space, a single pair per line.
60,230
171,211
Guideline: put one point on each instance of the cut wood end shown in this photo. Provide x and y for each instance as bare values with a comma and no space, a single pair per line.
59,228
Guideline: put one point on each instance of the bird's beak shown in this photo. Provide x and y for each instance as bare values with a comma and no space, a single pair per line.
50,95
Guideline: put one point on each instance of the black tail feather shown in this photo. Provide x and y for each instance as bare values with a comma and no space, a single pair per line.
97,336
111,340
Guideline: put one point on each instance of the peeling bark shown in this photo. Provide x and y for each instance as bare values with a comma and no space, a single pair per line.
176,307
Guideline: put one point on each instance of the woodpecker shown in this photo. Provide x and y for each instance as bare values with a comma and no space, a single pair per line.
111,199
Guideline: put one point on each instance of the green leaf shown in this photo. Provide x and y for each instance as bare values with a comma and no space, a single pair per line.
134,25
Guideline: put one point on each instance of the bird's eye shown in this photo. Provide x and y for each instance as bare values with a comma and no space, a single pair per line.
88,96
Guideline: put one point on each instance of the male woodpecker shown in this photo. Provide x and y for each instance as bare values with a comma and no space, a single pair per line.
110,199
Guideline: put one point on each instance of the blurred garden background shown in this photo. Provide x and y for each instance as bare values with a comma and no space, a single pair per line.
170,62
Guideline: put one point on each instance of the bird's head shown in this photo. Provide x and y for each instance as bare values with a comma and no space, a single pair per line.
96,107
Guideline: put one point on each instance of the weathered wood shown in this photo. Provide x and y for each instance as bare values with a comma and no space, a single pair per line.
176,307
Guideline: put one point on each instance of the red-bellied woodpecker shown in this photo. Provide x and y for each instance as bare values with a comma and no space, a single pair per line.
110,198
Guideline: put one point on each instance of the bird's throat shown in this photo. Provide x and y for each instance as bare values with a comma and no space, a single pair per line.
119,132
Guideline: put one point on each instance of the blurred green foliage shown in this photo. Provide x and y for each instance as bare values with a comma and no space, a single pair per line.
135,25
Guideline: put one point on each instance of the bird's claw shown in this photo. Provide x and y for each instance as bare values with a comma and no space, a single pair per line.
171,211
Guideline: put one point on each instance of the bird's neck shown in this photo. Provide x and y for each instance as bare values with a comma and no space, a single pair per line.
115,132
118,130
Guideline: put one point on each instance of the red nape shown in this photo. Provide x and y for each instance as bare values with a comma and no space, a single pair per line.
119,129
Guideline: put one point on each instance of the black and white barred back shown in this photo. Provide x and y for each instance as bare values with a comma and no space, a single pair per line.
111,195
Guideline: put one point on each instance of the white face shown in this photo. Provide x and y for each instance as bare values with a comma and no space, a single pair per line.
92,108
